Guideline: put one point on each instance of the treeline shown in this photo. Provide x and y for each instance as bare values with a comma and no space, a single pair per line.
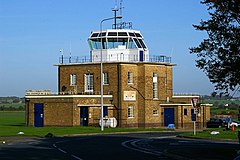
11,108
11,99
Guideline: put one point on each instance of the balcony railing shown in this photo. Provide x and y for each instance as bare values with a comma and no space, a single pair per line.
85,59
49,93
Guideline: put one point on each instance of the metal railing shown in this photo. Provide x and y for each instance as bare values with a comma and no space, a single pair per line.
76,59
43,93
85,59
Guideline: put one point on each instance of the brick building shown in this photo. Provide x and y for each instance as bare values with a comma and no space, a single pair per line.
137,88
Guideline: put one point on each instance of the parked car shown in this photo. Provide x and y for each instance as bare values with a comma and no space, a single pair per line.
215,123
235,123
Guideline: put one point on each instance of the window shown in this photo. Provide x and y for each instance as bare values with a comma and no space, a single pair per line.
88,82
131,44
122,34
130,111
185,111
155,112
155,86
73,79
112,33
105,78
130,78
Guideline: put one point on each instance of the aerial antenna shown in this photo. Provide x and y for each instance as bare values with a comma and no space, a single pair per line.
115,9
70,52
61,52
121,7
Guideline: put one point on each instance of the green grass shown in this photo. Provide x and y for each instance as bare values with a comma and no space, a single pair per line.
224,134
13,122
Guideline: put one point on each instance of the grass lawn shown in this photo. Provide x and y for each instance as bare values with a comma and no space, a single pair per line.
223,134
13,122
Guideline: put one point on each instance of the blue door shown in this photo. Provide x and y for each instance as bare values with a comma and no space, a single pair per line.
38,114
168,116
84,116
105,111
141,57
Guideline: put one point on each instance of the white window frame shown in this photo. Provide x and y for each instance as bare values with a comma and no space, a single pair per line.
88,82
130,77
105,78
155,86
155,112
73,80
130,111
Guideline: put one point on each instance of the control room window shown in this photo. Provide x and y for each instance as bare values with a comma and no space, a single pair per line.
105,78
155,86
88,82
130,111
73,79
130,78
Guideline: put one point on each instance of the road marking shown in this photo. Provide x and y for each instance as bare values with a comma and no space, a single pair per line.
138,148
76,157
142,149
63,151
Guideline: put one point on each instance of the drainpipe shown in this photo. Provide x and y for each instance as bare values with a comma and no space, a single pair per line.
27,101
119,95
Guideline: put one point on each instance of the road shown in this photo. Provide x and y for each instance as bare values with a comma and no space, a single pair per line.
141,146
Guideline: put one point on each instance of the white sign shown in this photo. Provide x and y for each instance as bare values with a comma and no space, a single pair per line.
129,95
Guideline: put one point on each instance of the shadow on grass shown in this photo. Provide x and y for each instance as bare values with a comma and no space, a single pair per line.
18,125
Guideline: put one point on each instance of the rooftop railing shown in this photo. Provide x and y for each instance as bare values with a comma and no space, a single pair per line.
49,93
85,59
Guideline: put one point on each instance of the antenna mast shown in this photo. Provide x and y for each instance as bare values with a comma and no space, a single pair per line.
121,7
115,9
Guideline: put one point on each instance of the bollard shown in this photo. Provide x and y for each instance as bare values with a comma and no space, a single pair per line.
232,128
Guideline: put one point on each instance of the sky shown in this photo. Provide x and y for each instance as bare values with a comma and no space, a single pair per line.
33,32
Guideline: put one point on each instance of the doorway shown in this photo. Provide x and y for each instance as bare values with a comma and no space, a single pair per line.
38,114
83,116
168,116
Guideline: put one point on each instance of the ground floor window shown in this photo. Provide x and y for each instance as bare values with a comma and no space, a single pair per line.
130,111
155,112
185,111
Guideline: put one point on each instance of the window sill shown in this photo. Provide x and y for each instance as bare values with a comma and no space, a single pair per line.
130,117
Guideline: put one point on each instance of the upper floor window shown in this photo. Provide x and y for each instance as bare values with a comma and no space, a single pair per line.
130,78
105,78
73,80
88,79
155,86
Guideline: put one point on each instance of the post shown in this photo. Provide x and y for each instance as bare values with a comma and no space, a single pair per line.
101,67
194,128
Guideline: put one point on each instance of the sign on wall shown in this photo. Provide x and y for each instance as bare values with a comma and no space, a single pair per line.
129,95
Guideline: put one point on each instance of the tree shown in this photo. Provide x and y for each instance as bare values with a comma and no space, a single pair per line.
219,54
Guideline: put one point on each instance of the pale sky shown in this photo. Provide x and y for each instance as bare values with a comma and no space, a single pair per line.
33,32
